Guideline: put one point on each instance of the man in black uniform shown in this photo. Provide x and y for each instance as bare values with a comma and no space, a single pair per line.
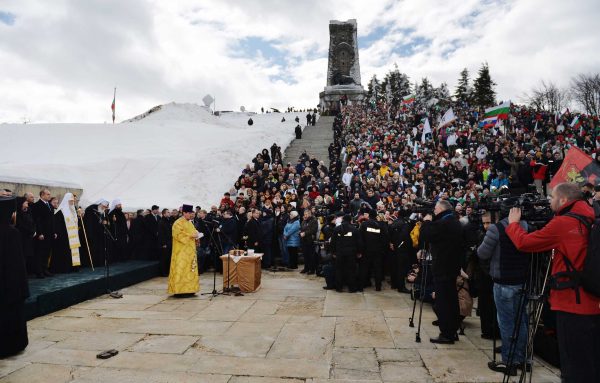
403,253
443,233
376,241
346,246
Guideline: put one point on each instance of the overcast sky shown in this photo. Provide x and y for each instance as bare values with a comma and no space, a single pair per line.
60,59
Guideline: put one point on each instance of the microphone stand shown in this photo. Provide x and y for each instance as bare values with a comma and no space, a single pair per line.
214,292
235,247
107,233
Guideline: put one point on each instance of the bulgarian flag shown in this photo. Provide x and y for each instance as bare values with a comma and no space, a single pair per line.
112,107
578,168
500,112
576,123
408,99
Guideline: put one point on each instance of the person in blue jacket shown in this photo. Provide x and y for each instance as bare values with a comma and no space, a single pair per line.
291,235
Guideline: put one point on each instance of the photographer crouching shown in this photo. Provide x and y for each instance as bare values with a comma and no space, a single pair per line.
443,232
577,311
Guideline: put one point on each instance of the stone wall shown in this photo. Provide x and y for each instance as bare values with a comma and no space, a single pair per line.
20,186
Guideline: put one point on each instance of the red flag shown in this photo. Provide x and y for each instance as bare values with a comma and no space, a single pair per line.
577,167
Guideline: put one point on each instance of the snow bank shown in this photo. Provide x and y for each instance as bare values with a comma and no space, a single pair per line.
178,154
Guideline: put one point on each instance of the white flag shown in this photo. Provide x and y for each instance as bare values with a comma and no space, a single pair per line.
415,148
426,130
447,118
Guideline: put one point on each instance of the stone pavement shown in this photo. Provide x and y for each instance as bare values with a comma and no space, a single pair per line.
315,140
290,331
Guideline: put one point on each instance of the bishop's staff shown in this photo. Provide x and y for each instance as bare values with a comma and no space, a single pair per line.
87,244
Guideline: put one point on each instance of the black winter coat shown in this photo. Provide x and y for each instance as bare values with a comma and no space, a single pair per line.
229,231
253,232
445,236
44,220
309,228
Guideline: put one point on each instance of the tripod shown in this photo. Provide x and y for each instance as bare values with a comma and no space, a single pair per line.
107,234
531,300
217,247
425,260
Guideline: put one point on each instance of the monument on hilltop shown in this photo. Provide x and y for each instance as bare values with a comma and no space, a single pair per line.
343,69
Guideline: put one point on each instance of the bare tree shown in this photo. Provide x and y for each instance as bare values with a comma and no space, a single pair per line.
586,91
548,97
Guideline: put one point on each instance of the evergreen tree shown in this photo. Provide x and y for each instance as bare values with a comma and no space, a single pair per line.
399,84
442,93
374,88
463,90
424,92
484,94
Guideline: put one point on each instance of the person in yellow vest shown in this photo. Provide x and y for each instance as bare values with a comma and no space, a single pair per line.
183,277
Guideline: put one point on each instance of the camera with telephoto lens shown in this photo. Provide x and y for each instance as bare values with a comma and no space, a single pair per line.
423,206
535,209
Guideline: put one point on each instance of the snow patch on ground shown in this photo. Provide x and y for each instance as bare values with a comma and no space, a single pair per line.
178,154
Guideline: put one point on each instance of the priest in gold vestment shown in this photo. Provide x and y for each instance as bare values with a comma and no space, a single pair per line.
183,276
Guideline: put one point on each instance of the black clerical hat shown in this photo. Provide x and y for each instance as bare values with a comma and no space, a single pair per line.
8,205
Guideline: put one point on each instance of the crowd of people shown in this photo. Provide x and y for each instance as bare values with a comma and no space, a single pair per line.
392,193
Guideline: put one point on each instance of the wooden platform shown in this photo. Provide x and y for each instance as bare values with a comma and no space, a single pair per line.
63,290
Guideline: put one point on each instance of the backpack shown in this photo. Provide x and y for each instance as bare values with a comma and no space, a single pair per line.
589,276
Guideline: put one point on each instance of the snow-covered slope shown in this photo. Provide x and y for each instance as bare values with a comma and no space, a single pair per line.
177,154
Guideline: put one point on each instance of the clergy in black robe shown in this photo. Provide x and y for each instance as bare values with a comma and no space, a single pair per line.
94,219
61,261
119,230
136,236
15,289
26,228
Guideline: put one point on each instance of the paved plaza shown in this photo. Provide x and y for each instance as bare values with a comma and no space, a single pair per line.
291,330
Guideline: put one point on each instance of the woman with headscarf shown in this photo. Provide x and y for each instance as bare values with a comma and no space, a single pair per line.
14,291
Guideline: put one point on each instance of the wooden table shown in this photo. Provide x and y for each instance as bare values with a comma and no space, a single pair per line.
244,271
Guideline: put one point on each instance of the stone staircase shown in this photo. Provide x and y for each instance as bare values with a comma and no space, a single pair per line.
315,140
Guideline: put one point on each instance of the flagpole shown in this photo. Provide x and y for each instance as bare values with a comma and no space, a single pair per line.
114,104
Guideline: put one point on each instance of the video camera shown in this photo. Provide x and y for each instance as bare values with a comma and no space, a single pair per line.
535,209
423,206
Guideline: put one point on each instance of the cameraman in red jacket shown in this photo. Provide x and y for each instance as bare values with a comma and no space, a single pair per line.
577,324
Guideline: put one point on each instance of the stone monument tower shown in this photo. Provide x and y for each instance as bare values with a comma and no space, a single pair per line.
343,69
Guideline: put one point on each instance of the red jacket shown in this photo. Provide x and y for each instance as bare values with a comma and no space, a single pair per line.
569,237
227,201
540,172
